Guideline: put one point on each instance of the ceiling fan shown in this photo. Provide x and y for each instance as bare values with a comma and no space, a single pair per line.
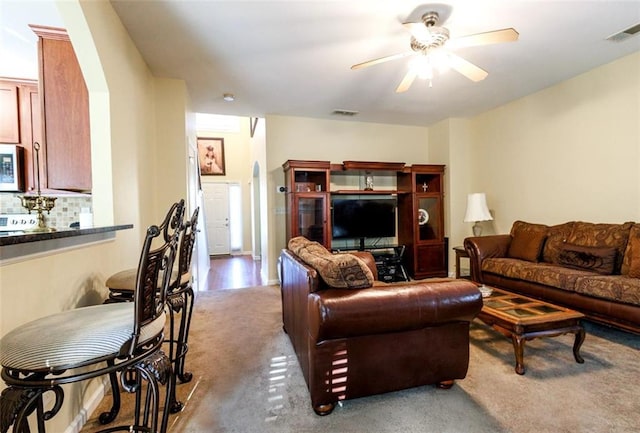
432,46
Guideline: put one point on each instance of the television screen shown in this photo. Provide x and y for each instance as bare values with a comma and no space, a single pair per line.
363,218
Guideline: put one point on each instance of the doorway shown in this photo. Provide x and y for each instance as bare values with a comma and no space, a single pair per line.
216,207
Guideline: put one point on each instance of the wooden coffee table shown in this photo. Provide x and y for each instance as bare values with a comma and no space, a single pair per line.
521,318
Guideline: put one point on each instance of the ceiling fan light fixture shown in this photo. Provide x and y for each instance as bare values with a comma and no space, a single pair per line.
440,59
425,64
422,66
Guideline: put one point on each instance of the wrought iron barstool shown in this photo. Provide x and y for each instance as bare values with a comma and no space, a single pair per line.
180,298
84,343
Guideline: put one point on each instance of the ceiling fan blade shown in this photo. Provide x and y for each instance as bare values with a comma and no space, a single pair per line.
466,68
382,60
493,37
407,81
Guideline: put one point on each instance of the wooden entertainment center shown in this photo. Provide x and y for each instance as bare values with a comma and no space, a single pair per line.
419,191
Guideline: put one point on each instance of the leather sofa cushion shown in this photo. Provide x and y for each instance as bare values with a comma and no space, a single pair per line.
602,235
339,313
337,270
598,259
613,287
526,241
541,273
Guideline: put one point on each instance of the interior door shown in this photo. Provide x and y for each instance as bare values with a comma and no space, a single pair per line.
216,205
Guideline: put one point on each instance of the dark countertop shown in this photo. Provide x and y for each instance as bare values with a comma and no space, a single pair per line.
25,237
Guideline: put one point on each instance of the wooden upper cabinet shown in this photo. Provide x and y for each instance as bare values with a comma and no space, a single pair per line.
10,120
20,121
64,103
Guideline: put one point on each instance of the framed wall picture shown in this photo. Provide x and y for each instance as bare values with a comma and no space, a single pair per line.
211,156
11,175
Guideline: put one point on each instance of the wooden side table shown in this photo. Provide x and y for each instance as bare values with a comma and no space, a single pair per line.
461,253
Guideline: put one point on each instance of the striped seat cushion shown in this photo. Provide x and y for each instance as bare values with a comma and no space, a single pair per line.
73,338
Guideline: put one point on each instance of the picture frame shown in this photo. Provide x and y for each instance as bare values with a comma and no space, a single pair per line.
211,156
11,172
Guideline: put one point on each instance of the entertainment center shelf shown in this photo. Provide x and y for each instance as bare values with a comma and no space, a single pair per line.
363,192
314,188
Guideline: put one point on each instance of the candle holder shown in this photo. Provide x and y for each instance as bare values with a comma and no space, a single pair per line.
38,202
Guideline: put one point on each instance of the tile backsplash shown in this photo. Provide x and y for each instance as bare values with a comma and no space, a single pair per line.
62,215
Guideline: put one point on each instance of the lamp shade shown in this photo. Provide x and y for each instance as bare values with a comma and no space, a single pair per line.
477,209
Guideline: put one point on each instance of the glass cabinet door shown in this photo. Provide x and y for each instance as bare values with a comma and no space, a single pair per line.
311,217
429,218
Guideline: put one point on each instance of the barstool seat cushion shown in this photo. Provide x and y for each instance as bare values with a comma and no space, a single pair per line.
73,338
125,281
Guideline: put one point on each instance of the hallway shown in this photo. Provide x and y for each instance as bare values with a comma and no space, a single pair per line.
233,272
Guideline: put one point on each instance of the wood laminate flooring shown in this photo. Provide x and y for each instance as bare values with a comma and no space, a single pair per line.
233,272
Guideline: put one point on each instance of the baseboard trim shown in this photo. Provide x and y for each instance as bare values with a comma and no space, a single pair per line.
89,405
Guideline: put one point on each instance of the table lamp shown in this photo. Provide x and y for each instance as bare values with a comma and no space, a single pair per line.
477,210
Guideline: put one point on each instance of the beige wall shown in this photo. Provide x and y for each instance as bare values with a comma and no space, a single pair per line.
171,144
135,174
450,142
569,152
260,204
238,169
334,141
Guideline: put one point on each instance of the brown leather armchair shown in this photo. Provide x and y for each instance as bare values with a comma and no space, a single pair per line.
357,342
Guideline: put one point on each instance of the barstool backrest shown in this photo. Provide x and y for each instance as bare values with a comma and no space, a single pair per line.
154,271
186,245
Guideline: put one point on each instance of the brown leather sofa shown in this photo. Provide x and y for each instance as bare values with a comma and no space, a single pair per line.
354,342
593,268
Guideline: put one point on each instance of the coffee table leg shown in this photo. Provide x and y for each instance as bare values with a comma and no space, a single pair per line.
577,344
518,348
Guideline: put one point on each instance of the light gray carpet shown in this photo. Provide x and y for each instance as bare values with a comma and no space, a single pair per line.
247,379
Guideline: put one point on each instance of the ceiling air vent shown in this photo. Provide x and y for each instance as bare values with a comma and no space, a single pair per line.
344,112
624,34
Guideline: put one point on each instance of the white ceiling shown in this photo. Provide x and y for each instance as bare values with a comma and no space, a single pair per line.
294,57
18,43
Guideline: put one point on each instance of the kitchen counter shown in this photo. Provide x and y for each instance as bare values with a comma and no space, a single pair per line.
16,245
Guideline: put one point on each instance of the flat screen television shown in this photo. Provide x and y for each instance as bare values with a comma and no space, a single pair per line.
363,218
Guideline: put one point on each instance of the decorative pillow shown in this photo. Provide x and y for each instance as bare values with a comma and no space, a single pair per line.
526,241
337,270
598,259
634,266
626,260
556,239
523,226
297,243
602,235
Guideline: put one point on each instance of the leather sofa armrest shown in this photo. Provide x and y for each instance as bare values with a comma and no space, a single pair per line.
345,313
483,247
297,275
369,260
